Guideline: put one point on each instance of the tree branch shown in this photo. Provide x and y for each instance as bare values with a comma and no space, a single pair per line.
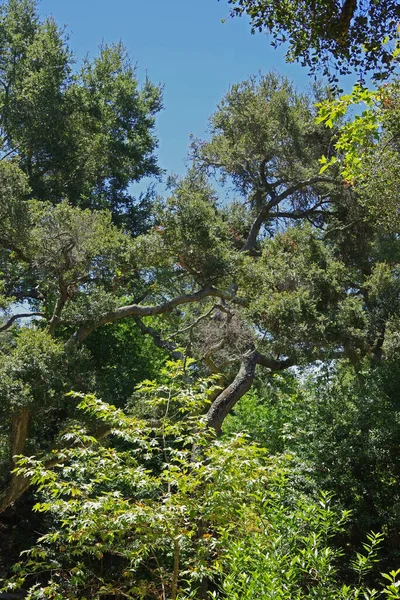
61,302
147,311
275,200
33,293
20,316
158,341
207,357
227,399
255,229
273,364
243,381
197,321
299,214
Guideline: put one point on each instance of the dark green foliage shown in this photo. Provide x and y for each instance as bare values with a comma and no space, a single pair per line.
380,190
344,431
263,132
332,34
225,521
122,358
192,228
144,500
82,135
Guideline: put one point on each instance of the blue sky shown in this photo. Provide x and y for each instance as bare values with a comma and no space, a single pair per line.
181,44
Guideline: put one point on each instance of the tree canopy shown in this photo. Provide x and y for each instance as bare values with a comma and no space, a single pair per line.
80,134
339,36
131,329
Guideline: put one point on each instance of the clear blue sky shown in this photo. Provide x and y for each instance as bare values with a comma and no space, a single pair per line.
181,44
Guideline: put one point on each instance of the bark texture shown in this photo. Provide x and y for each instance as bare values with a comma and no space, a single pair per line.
18,484
243,381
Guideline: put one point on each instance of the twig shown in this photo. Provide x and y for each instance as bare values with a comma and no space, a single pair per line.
197,321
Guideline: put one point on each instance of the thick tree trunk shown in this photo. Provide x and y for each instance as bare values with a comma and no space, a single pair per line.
227,399
243,381
18,484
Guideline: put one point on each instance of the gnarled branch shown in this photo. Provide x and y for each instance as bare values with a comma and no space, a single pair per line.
158,341
147,311
243,381
265,211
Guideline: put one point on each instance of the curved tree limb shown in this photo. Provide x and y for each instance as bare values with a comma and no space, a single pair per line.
275,200
147,311
20,316
33,293
255,229
61,302
158,341
243,381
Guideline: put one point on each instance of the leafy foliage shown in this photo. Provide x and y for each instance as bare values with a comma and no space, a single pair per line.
368,148
145,516
86,135
342,428
298,266
346,35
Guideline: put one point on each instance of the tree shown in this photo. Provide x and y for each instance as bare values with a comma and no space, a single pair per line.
368,148
67,139
142,518
82,135
348,35
291,268
219,273
341,427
